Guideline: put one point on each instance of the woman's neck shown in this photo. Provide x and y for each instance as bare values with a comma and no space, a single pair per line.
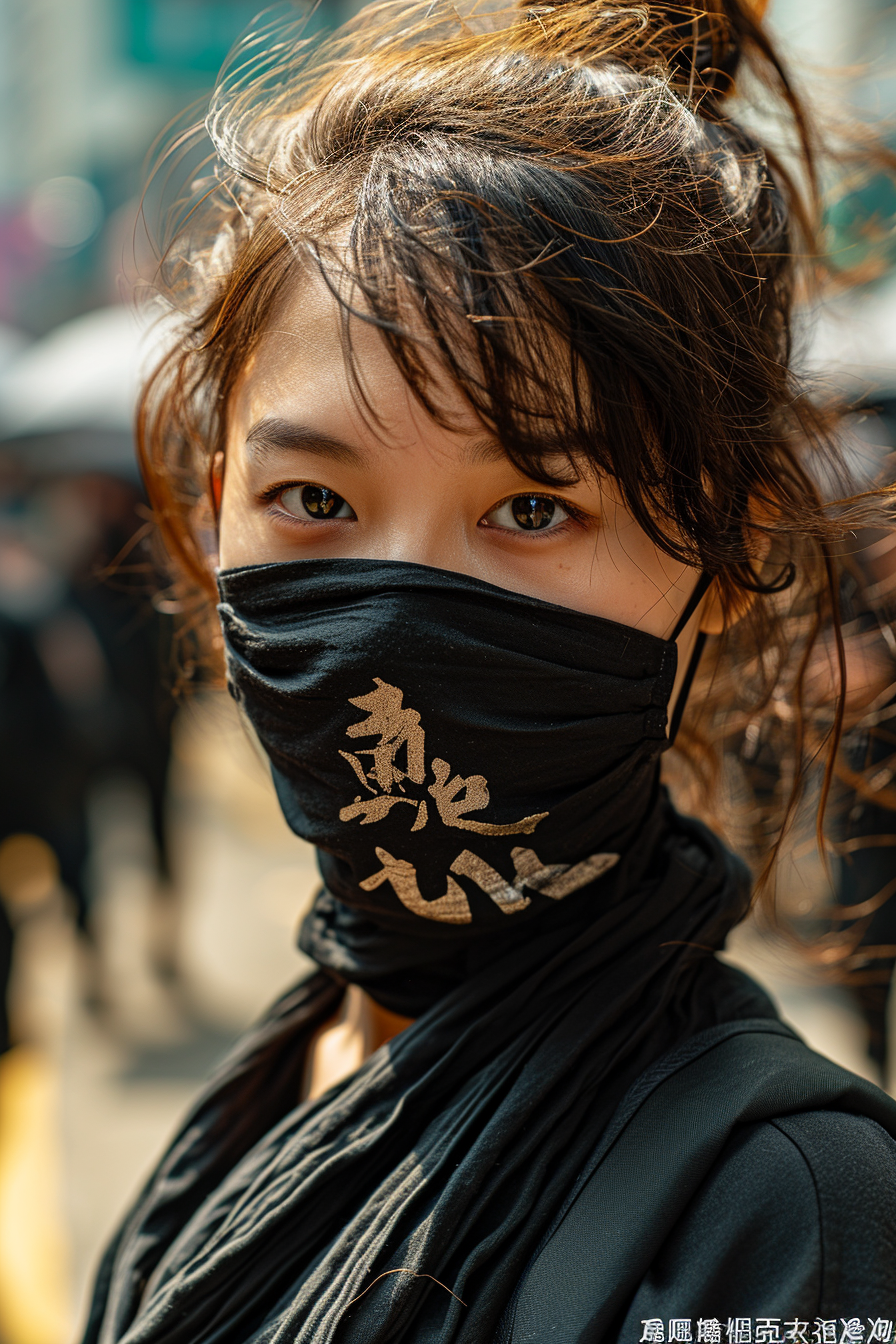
343,1043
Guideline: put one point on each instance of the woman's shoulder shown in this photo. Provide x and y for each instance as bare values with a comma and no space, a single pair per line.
744,1177
849,1156
796,1219
851,1160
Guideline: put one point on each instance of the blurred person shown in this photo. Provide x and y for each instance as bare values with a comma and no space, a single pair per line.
484,387
84,693
36,793
106,648
41,780
77,579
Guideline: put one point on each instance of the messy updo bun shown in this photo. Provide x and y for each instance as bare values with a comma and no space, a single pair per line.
698,47
702,46
567,177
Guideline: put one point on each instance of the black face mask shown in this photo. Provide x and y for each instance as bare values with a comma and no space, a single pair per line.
463,757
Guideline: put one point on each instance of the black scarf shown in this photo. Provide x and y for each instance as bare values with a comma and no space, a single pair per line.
405,1203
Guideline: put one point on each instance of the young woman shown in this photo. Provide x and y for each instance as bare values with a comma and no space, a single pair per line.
485,383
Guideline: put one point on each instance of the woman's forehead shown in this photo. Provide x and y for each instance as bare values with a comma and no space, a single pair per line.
325,343
321,363
299,384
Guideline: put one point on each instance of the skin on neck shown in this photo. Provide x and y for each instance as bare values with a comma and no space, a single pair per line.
343,1043
412,490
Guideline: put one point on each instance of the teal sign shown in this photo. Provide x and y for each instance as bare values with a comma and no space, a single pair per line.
187,35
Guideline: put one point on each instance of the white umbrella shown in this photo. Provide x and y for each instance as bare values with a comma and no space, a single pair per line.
851,341
68,399
83,375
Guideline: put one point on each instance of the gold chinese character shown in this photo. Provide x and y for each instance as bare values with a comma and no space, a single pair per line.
553,879
474,798
374,809
399,729
452,908
396,728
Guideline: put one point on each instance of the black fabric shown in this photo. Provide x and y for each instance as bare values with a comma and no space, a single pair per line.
749,1244
411,714
445,1155
405,1203
693,1204
797,1219
852,1161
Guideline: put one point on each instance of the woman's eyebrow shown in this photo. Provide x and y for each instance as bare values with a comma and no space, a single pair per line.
482,452
273,435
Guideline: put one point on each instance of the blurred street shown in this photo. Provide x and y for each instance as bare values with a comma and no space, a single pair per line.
118,1037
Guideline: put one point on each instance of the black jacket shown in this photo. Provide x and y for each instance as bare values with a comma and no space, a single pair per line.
743,1177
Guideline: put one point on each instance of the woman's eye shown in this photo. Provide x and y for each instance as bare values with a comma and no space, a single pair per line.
315,501
528,513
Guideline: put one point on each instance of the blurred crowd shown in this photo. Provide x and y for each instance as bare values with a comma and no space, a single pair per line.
149,889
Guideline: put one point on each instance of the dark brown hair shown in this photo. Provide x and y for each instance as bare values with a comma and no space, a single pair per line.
562,177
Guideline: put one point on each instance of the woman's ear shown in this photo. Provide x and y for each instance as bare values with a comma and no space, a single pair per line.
217,480
714,619
712,616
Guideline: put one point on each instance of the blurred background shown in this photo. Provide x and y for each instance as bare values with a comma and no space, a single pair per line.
149,889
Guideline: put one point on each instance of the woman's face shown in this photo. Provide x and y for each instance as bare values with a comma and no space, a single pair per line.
306,475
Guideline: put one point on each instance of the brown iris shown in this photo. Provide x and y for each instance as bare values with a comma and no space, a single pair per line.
321,502
533,512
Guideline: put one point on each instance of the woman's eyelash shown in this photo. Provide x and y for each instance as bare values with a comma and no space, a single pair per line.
270,492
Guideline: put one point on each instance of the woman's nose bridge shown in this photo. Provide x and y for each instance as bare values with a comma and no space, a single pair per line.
432,538
426,521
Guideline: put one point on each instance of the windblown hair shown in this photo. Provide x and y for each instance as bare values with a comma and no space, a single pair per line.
560,178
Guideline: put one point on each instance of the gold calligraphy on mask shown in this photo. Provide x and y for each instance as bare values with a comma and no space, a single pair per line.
552,879
399,757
